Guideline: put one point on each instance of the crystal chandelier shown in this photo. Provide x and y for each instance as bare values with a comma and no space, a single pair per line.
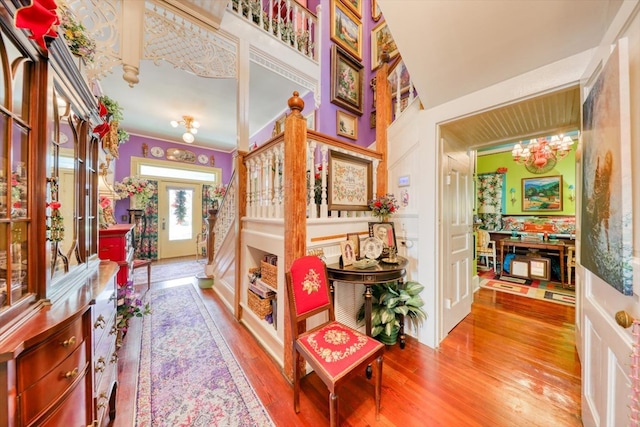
191,128
541,154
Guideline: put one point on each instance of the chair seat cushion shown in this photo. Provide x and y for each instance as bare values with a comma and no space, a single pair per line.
337,348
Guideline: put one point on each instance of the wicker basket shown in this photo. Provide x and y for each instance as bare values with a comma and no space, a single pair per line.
269,274
260,306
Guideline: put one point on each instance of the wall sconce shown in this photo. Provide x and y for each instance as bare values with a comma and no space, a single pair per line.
513,195
572,193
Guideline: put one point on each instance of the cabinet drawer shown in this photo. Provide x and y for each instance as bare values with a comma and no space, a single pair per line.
74,410
35,363
104,389
43,393
104,356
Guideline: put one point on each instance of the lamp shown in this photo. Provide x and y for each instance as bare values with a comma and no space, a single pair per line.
541,154
513,195
191,128
572,193
486,209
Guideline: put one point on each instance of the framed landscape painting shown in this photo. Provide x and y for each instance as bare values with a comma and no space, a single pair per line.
381,39
346,29
542,194
346,81
607,212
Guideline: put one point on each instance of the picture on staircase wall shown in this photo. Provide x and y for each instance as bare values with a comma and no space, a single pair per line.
350,182
606,229
346,81
346,29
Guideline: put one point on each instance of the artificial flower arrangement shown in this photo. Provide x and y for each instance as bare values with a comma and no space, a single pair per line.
219,191
114,111
129,305
135,186
383,206
76,36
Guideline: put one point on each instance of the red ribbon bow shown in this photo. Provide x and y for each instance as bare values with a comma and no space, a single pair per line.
40,18
103,128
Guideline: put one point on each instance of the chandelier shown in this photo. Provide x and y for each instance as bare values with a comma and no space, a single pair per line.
191,128
540,155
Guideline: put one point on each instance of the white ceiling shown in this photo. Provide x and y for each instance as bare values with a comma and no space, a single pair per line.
455,47
451,48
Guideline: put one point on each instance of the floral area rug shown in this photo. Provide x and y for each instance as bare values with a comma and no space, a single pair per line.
537,289
168,271
188,375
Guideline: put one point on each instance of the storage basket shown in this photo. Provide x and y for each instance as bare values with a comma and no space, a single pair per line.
260,306
269,274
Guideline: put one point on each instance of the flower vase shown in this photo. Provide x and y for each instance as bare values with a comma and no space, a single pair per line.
136,202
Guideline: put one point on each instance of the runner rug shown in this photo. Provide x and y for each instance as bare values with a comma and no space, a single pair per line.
547,291
168,271
188,375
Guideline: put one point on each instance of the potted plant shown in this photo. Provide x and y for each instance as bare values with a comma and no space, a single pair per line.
388,302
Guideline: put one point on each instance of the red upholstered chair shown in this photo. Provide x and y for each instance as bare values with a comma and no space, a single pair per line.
333,350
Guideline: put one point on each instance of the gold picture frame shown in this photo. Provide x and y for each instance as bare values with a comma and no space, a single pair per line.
355,239
346,78
346,29
355,6
375,11
346,125
348,252
380,39
355,192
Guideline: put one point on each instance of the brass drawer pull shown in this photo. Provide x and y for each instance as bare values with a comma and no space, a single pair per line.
100,322
72,374
114,357
68,343
103,400
100,364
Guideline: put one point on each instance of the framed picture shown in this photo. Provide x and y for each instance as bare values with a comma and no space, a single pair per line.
355,240
180,155
381,39
346,29
346,125
542,194
539,268
346,78
520,268
607,197
311,120
385,232
278,126
350,182
375,11
372,120
348,253
398,72
355,6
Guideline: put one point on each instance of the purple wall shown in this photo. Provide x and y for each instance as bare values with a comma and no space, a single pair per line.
133,147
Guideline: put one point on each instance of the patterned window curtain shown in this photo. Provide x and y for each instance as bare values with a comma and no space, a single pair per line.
207,203
490,197
148,247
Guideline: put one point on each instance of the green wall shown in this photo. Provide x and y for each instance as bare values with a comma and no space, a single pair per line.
513,179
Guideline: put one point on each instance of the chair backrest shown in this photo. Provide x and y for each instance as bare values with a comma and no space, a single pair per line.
483,238
308,290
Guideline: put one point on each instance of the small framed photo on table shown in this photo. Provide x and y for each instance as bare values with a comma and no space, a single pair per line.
385,232
355,239
348,252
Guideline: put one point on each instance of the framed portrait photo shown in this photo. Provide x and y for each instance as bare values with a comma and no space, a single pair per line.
385,232
381,39
350,182
346,81
346,125
348,252
346,28
542,194
355,239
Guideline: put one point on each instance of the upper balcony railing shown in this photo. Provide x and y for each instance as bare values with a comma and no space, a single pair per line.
286,20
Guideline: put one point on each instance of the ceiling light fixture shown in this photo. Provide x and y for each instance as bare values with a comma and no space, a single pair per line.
541,154
191,128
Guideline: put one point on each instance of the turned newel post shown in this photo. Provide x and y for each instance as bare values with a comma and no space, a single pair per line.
383,120
211,239
295,204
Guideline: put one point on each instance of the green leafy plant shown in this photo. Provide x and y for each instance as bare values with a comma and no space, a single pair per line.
113,108
389,301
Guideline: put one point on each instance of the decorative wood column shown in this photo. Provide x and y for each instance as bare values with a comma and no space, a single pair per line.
241,212
383,120
295,206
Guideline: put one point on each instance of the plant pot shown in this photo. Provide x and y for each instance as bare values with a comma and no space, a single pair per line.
389,339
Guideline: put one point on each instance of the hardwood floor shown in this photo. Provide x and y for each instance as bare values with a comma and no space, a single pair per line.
511,362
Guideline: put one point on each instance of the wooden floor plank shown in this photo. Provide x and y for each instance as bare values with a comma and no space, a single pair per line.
511,362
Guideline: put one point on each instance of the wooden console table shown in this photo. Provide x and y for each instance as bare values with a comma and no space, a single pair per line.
558,246
381,273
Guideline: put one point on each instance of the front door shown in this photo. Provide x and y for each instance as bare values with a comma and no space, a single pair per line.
458,239
179,213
